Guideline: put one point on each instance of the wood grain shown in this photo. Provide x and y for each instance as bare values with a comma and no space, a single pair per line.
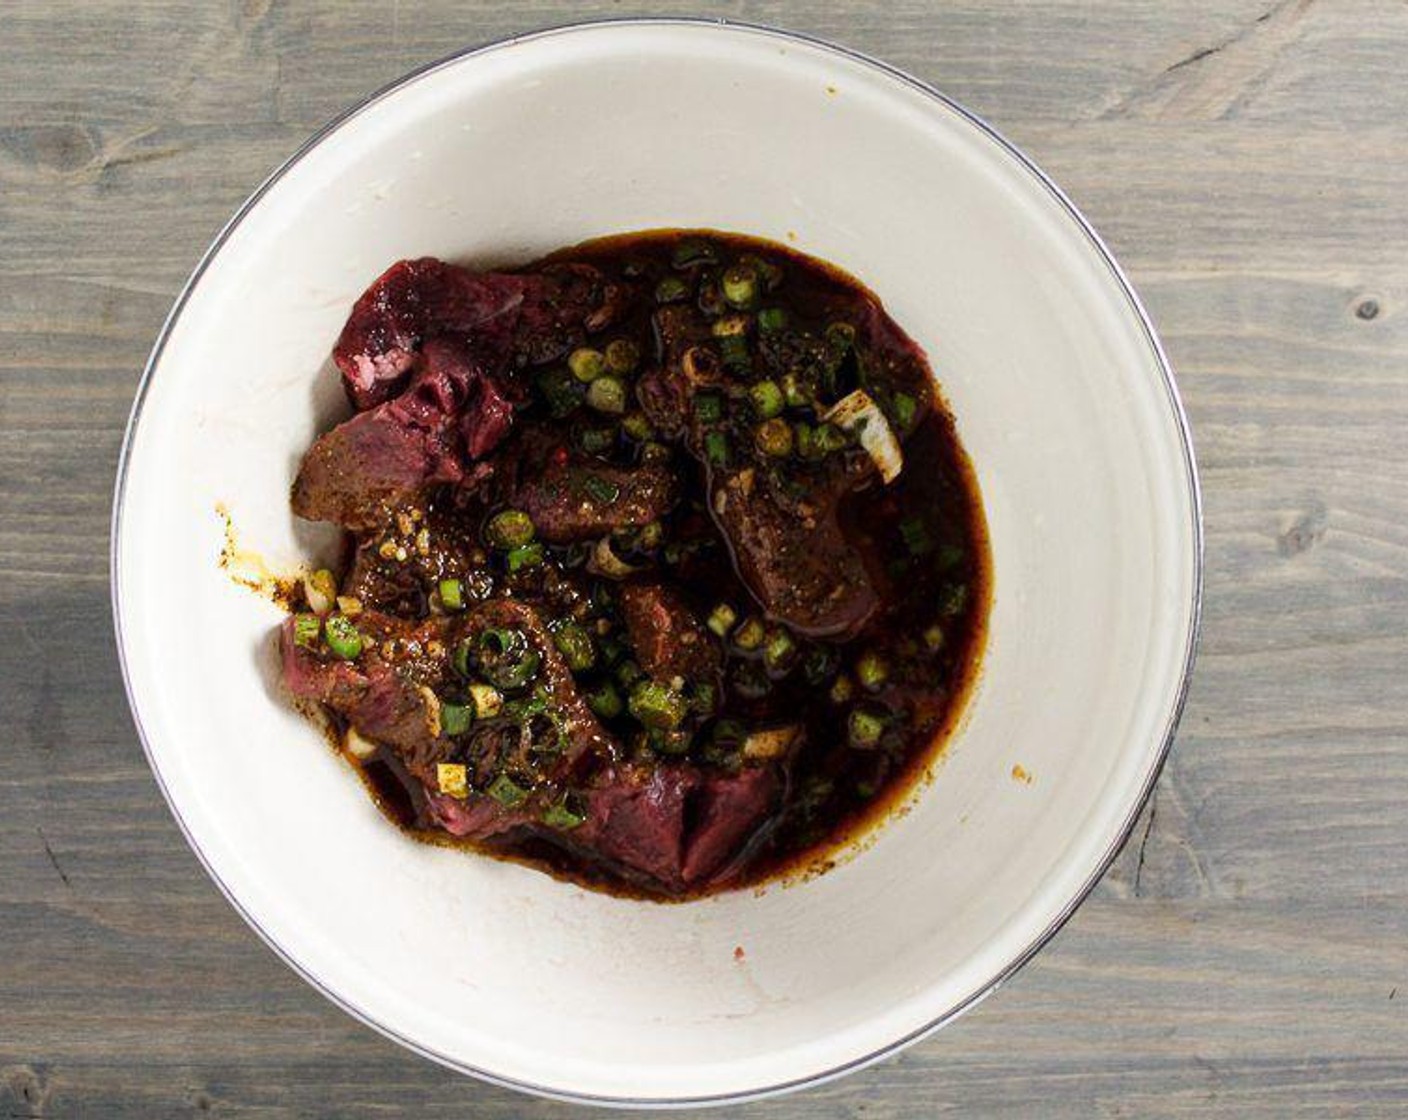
1247,955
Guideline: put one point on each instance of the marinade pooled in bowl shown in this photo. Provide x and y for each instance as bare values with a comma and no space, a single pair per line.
665,569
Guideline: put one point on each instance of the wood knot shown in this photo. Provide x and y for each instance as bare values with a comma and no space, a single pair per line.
26,1089
1304,532
1367,309
63,148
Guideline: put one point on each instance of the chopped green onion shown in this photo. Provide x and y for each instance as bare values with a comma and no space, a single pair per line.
864,728
950,556
561,392
506,657
507,792
704,699
628,673
840,336
306,630
607,394
674,742
558,815
953,600
804,438
842,689
819,666
768,743
358,745
525,708
770,273
700,364
637,427
455,719
690,251
771,320
750,680
650,535
657,705
774,437
723,751
525,556
461,656
576,647
780,651
795,390
452,594
594,441
934,638
860,416
487,700
605,561
602,489
452,779
872,671
729,326
733,350
671,290
905,407
612,649
622,355
708,408
711,300
721,619
916,536
605,701
510,528
586,364
343,638
830,438
320,589
716,448
728,735
740,285
750,635
767,399
349,605
652,452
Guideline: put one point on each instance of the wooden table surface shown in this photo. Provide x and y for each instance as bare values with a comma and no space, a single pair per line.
1247,955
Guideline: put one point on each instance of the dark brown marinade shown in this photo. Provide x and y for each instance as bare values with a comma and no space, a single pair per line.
921,541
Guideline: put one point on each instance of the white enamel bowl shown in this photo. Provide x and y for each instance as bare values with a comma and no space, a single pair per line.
1063,400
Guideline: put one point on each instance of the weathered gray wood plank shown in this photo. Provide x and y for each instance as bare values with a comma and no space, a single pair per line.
1247,955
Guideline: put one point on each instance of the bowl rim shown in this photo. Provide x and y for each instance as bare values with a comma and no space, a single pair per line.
1179,416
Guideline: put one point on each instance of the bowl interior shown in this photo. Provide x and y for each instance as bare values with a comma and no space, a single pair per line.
1062,403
